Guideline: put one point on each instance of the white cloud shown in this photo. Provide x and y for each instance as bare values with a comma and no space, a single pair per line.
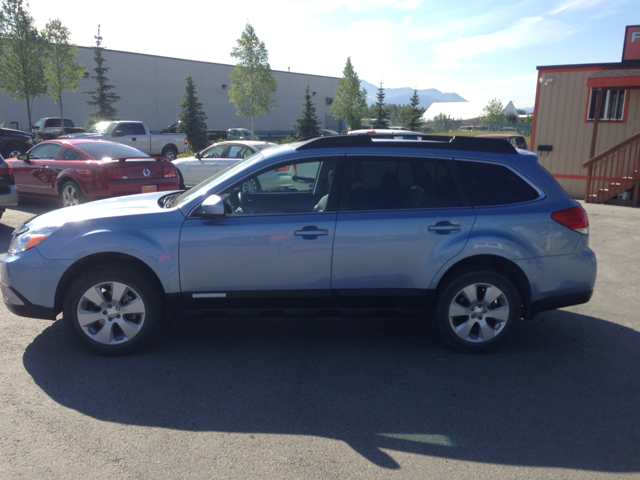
526,32
569,5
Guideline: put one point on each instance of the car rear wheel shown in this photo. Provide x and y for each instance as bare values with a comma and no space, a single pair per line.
477,311
251,185
113,310
170,153
70,194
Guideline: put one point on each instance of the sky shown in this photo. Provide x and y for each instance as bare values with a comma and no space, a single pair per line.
480,49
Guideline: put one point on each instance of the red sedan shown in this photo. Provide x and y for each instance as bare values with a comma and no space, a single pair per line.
81,170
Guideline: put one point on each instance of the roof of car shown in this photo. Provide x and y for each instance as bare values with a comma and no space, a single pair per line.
422,141
499,135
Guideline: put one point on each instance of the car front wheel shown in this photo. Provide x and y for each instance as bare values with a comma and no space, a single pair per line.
477,311
113,310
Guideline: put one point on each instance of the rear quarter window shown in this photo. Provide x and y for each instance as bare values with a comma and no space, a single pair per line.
488,184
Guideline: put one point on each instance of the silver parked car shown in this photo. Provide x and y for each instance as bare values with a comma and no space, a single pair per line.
214,158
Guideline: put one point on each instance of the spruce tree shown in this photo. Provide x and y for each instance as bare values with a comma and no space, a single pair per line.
308,125
350,100
192,116
381,112
102,98
416,112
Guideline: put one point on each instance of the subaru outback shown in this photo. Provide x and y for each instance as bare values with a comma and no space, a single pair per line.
468,233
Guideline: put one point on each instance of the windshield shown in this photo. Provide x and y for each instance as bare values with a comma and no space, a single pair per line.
218,177
101,127
100,150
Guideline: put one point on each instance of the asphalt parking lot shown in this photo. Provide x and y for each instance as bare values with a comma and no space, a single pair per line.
325,398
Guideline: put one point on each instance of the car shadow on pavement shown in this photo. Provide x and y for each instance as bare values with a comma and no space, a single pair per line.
564,392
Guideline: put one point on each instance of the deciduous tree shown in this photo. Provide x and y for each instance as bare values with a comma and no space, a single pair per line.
102,97
350,99
493,111
252,83
61,71
192,116
21,52
308,125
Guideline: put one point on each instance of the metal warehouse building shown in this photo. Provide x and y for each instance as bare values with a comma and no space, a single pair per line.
595,156
151,87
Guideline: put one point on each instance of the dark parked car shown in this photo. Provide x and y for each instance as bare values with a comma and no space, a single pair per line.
78,170
13,142
8,191
51,127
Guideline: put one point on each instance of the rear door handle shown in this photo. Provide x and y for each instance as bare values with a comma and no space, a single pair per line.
310,233
444,227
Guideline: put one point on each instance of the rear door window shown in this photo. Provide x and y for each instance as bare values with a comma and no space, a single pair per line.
396,183
488,184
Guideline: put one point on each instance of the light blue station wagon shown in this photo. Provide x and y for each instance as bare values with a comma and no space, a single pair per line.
470,233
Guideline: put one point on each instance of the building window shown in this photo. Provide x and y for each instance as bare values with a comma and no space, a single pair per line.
611,107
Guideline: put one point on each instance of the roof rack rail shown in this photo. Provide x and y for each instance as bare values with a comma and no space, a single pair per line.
445,142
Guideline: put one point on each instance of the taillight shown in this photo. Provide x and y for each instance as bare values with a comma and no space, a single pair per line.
282,169
116,173
186,142
574,218
5,171
169,172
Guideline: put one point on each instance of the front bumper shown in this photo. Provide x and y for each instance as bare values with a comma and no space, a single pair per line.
21,306
29,282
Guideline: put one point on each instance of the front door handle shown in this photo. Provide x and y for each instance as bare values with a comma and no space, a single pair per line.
444,227
311,232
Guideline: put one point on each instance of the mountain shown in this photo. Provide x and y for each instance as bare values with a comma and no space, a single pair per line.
402,96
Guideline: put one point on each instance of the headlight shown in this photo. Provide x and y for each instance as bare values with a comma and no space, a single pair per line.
25,240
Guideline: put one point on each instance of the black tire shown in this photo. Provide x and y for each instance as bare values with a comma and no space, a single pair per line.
91,312
170,153
71,194
477,311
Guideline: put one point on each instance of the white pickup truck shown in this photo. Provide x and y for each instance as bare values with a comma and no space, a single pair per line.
137,135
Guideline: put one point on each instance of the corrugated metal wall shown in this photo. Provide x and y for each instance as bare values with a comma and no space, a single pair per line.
560,122
151,88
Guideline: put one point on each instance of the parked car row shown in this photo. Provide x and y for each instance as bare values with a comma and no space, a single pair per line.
229,134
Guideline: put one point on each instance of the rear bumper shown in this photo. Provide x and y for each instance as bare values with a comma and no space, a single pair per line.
560,301
9,199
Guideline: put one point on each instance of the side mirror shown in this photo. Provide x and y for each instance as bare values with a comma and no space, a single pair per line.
24,157
118,133
213,206
198,156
